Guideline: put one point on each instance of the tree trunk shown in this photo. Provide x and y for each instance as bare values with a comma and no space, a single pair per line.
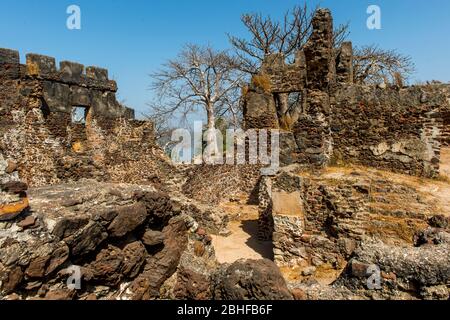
212,148
210,117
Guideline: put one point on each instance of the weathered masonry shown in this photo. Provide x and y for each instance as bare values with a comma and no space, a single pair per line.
64,124
326,118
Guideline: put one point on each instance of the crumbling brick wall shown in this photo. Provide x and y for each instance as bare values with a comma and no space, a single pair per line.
38,131
400,129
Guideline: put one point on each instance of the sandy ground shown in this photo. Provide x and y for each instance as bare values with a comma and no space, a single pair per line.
243,242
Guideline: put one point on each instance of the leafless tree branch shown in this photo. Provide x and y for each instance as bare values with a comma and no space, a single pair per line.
373,65
269,36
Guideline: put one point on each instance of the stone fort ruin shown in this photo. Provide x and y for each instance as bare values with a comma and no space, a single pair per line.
65,124
327,118
104,197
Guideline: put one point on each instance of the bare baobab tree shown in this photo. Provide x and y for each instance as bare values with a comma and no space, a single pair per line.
373,65
199,79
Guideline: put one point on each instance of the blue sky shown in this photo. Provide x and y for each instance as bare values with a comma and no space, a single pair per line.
133,38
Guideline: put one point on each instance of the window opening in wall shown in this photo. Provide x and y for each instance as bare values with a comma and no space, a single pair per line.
79,114
289,108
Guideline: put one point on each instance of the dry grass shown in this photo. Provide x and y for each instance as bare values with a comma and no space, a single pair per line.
263,82
419,195
326,274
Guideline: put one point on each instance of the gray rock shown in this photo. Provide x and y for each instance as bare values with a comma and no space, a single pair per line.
250,280
427,265
71,71
40,65
128,219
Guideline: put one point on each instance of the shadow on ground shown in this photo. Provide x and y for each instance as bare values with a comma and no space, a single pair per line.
264,248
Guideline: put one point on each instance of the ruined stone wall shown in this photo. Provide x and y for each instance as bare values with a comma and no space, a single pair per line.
397,129
215,183
446,131
400,129
39,134
307,134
